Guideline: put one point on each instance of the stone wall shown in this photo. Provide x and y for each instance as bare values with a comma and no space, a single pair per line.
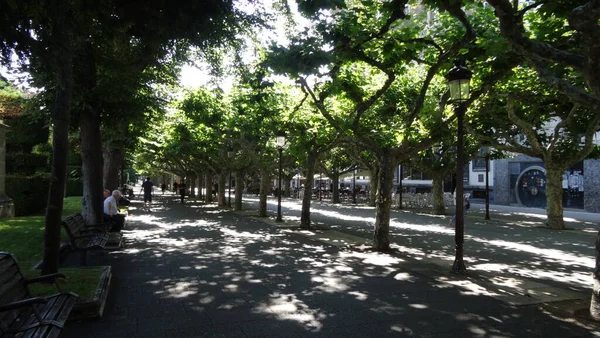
501,182
591,169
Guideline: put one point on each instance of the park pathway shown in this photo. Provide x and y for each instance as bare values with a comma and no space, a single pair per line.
514,243
197,271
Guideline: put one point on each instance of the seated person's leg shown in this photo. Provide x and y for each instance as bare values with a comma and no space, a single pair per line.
118,222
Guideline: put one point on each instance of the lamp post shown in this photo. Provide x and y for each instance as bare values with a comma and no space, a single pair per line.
280,137
354,186
459,78
230,154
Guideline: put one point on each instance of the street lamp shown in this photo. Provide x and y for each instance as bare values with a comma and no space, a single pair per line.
459,78
230,154
280,137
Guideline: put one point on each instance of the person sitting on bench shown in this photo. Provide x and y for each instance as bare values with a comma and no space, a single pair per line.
111,213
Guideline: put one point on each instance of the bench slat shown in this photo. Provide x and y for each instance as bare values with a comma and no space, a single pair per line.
22,322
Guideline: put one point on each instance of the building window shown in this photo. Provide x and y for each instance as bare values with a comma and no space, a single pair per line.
480,178
409,173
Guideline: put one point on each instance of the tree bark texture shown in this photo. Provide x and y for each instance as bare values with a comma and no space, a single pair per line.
286,185
383,204
374,182
239,189
209,188
200,185
91,142
438,195
193,178
595,303
60,144
113,158
554,192
311,161
222,198
265,183
335,193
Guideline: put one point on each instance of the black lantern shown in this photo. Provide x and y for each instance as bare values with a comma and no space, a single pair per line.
459,78
280,139
459,81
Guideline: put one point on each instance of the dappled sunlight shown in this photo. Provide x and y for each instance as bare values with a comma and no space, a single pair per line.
330,284
212,267
245,234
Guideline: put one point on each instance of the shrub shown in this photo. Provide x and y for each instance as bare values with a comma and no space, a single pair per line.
74,187
25,164
29,193
26,130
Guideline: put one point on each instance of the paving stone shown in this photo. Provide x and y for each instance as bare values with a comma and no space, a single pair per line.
231,276
208,331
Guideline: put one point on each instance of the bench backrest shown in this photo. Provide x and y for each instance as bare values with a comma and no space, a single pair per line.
12,287
75,226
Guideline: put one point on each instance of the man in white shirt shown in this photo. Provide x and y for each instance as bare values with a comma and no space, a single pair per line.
112,216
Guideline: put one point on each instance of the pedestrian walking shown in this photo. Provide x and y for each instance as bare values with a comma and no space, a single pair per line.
466,206
147,187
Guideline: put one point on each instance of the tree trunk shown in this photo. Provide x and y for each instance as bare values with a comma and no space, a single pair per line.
265,182
91,142
335,193
311,161
438,195
286,185
193,185
595,303
554,193
221,200
208,185
200,185
374,183
60,145
239,189
113,157
383,205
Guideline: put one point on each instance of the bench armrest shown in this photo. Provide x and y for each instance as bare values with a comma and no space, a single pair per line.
50,277
22,303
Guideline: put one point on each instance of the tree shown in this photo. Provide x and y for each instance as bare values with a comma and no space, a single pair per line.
374,75
46,34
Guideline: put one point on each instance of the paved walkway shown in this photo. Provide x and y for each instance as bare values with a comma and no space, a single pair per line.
514,243
197,271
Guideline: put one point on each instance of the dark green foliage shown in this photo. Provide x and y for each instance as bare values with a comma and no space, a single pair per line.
74,187
26,131
29,193
25,163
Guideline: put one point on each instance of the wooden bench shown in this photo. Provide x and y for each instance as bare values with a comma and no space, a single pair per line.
22,315
84,237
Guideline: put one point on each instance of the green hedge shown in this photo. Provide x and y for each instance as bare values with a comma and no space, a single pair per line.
74,187
29,193
26,164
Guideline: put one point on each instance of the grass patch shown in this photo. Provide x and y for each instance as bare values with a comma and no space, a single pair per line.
82,281
24,238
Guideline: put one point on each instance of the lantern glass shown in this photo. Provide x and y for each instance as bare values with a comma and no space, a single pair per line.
459,90
280,140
